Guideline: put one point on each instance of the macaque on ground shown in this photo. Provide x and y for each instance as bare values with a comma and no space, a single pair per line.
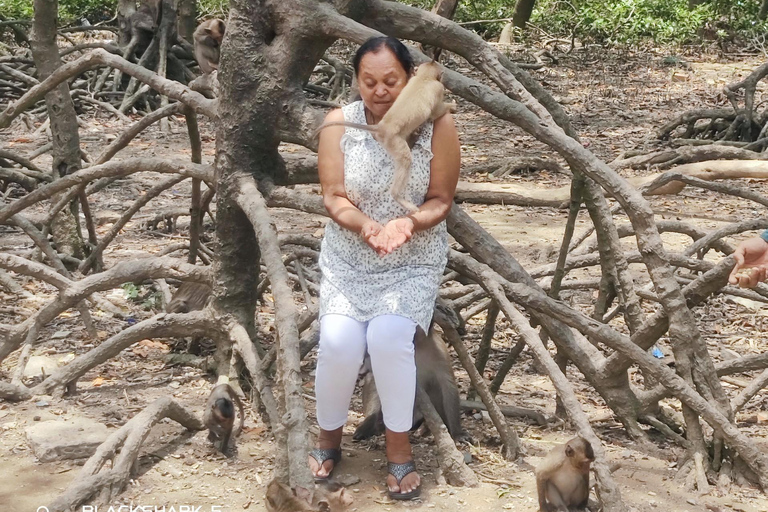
562,478
434,375
189,297
421,100
208,36
219,416
330,497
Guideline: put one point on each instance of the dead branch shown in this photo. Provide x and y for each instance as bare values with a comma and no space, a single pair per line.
126,217
708,171
37,172
510,411
106,106
739,227
689,118
451,460
20,178
122,448
73,292
664,226
507,193
110,169
161,325
128,135
34,269
509,439
506,166
100,57
684,155
750,391
14,393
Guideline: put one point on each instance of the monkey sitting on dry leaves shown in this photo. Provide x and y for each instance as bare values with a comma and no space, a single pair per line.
208,36
331,497
562,478
421,100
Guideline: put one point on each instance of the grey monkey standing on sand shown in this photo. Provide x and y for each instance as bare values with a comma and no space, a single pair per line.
421,100
434,375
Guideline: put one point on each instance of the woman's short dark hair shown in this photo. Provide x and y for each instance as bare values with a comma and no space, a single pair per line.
374,44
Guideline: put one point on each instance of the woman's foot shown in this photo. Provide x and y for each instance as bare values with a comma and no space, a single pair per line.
322,462
399,452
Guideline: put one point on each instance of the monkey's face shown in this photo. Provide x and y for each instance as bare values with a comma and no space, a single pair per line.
380,79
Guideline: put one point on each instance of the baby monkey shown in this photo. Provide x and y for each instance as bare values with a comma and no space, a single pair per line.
421,100
208,36
327,498
562,478
219,416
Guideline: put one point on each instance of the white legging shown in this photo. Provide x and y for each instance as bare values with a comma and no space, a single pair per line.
343,343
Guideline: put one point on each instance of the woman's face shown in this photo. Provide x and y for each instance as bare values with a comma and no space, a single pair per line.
380,79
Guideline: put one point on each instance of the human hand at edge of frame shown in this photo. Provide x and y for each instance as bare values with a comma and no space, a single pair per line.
394,234
750,254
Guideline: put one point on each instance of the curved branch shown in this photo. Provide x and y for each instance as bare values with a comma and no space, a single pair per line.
159,326
100,57
122,447
128,135
123,220
110,169
74,292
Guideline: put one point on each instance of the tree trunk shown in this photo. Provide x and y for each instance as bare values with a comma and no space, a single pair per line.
261,74
763,10
61,111
523,10
187,18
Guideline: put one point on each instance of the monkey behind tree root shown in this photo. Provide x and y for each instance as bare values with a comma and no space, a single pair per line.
219,416
327,498
208,36
189,297
434,375
421,100
562,478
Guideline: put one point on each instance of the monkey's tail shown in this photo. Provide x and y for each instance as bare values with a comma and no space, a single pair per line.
366,127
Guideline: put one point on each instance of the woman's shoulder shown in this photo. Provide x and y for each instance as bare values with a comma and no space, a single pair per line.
334,115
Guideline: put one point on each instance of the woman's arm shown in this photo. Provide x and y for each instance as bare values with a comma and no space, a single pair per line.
443,177
330,166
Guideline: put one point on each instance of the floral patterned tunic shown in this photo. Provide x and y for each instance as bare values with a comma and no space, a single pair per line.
356,281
